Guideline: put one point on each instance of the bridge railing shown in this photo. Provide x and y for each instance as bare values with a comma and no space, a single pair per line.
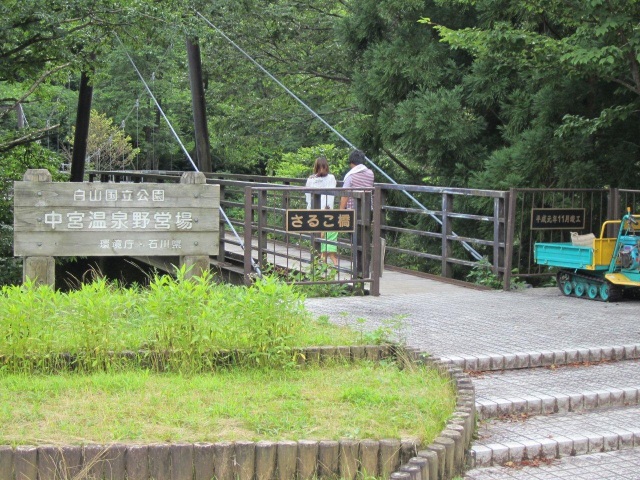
298,255
255,234
442,231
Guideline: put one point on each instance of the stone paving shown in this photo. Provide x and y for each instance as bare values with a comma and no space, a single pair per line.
569,425
548,390
614,465
488,330
451,321
562,380
502,441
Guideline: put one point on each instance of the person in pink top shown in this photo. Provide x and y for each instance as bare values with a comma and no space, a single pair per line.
359,176
321,178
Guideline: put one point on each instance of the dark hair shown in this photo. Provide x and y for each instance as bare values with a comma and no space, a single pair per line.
356,157
321,167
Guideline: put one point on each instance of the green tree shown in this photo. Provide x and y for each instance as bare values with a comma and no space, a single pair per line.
253,120
108,147
46,43
12,168
407,86
299,164
559,83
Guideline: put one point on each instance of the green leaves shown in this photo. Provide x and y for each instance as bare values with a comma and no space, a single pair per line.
175,324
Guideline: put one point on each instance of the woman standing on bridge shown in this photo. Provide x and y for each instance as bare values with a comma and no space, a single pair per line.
321,178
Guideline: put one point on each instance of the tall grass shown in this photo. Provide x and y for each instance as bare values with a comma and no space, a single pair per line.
174,324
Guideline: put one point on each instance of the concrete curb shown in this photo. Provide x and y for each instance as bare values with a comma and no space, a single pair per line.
550,448
544,358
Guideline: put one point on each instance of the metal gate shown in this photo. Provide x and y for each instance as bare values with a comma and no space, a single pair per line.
598,204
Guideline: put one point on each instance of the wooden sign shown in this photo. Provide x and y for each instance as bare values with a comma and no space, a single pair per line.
557,219
317,221
115,219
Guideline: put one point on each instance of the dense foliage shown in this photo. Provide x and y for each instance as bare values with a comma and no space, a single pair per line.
479,93
560,81
490,92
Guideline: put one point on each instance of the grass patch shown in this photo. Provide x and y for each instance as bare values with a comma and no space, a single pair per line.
342,401
191,319
108,398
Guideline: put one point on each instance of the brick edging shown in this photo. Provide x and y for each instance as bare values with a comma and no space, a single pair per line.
551,448
558,402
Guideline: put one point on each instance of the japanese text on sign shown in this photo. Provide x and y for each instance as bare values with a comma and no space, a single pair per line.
95,218
119,220
557,218
310,221
113,195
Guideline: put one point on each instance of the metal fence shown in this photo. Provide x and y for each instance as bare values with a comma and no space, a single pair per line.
521,237
442,230
426,229
296,256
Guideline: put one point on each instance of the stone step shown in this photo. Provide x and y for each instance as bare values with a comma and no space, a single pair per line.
543,358
614,465
558,390
513,440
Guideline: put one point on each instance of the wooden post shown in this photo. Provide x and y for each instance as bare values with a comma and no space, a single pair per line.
195,265
613,211
41,270
248,227
262,228
307,459
498,235
366,234
286,456
376,255
510,214
223,225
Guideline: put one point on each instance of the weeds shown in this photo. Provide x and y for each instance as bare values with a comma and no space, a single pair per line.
483,274
174,325
317,271
391,330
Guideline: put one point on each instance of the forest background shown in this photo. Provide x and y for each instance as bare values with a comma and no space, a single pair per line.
466,93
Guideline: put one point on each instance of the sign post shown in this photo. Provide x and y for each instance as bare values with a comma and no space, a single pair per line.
114,219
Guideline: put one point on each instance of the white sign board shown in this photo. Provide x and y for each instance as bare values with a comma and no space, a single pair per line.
115,219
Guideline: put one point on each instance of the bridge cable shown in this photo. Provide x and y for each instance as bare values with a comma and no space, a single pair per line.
254,265
467,247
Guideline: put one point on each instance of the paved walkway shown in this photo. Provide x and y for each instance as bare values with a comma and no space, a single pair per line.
448,320
595,403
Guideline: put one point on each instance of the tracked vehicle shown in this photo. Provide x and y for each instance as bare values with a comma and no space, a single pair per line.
596,268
